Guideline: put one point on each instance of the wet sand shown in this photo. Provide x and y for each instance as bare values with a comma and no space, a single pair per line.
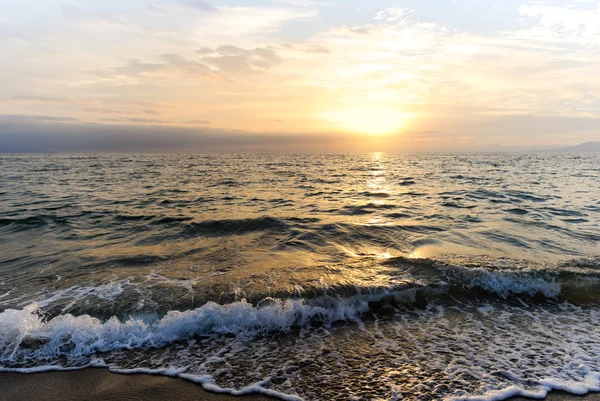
100,384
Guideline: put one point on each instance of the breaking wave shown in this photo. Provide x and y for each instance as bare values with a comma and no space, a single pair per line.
31,334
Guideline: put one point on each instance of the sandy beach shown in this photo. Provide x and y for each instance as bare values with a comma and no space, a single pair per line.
100,384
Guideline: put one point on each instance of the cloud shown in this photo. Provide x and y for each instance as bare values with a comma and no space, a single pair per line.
75,13
201,5
72,12
228,59
99,110
361,31
134,67
139,120
40,99
35,136
198,122
174,63
19,118
563,24
249,23
393,14
313,48
39,135
155,9
235,60
13,33
186,64
205,50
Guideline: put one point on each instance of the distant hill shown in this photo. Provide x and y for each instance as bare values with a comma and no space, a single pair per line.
584,147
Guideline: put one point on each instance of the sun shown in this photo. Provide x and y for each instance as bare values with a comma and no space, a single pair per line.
367,120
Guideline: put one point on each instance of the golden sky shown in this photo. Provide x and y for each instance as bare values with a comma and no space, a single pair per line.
433,73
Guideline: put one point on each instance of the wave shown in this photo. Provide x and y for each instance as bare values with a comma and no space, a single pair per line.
234,226
576,280
368,208
394,282
27,336
31,339
206,227
35,221
374,195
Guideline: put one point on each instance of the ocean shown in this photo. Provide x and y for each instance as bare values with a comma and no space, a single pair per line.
307,276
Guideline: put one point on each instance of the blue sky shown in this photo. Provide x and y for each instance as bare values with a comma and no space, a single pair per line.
423,74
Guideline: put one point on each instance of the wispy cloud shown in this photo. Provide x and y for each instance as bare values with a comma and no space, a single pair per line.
199,5
75,13
16,118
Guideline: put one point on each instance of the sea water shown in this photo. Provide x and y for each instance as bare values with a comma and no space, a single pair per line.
307,277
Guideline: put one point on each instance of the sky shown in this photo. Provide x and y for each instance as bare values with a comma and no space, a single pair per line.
298,75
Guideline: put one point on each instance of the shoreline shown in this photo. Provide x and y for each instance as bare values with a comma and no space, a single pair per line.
99,384
96,384
563,396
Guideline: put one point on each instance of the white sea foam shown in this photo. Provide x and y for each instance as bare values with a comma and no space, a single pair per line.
589,383
107,291
86,335
525,351
504,283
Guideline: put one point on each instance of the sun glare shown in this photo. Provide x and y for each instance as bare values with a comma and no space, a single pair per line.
368,120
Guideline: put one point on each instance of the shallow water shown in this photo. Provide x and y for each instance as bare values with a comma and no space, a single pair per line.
307,276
